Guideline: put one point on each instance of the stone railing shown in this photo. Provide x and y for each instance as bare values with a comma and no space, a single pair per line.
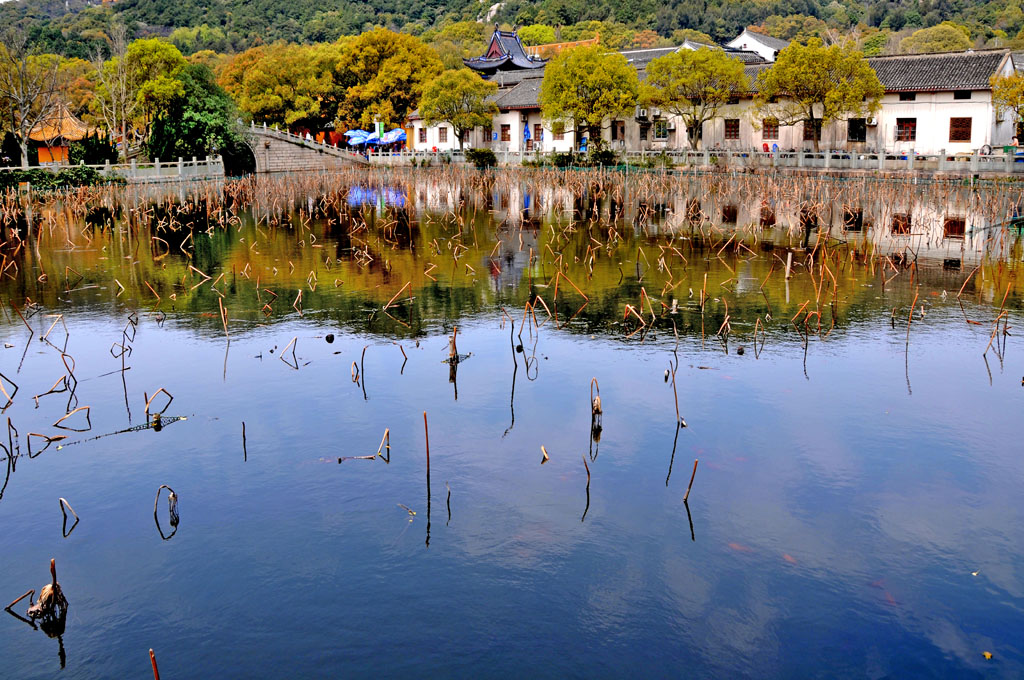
154,171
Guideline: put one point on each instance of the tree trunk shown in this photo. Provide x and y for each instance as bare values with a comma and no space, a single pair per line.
816,133
694,133
23,145
459,133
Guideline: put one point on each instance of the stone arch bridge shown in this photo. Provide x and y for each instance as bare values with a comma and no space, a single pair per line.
280,151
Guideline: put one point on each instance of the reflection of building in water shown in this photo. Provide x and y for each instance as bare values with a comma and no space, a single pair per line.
512,257
956,228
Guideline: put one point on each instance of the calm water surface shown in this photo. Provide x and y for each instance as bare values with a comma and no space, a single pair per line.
856,509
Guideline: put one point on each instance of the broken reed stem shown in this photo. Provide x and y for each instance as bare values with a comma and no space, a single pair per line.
152,660
690,485
64,503
426,436
588,470
223,317
245,452
395,297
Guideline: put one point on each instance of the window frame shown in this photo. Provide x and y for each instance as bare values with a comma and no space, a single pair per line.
961,95
663,126
902,224
959,222
442,135
908,96
506,132
733,134
770,129
814,130
963,134
906,129
423,135
861,125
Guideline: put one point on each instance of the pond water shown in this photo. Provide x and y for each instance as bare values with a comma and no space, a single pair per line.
856,508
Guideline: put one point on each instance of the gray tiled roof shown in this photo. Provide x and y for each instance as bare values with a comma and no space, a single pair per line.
776,44
1018,61
931,72
641,58
525,95
746,56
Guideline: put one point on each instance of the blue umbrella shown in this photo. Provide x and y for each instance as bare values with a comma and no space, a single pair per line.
392,136
371,138
356,133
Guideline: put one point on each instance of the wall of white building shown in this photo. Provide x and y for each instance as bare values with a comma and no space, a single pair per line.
932,112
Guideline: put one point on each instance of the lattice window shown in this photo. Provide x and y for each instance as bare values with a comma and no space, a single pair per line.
769,128
959,129
901,223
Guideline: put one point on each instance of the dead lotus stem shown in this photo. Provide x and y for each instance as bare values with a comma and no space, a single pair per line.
690,485
223,316
149,401
73,429
544,453
152,660
395,297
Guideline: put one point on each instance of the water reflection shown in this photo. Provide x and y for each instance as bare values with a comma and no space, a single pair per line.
870,527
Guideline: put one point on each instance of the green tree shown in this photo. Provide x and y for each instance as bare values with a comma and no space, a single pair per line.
945,37
681,35
461,99
817,85
537,34
586,86
385,73
200,121
694,85
293,86
1008,95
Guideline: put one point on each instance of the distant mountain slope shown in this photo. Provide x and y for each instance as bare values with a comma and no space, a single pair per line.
75,26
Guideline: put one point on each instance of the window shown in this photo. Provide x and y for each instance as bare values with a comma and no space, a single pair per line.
615,130
853,220
908,96
442,135
732,128
901,223
769,128
906,129
730,214
954,227
808,219
506,132
559,131
693,211
959,129
466,135
538,132
423,135
812,130
661,129
488,134
856,130
644,132
733,101
961,94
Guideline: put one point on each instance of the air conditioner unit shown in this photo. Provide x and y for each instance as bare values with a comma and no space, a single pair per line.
871,122
641,113
655,113
672,125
